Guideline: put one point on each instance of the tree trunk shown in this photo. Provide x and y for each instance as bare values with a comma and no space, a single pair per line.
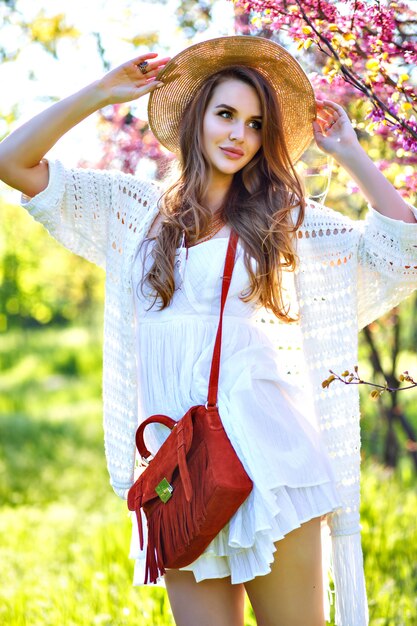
392,413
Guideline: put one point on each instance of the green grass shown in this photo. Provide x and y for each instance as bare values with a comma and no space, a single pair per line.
64,536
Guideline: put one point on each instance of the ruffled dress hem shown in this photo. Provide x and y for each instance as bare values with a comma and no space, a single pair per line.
245,553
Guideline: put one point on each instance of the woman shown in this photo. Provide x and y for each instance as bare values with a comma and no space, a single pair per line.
238,112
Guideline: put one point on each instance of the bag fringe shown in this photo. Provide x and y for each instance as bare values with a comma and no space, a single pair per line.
140,527
349,581
178,530
182,466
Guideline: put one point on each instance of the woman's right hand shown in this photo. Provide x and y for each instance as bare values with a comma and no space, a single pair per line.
126,82
21,153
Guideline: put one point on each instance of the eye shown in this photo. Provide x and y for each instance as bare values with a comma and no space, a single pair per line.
222,113
257,126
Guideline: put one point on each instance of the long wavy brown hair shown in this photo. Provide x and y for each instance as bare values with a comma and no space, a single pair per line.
257,205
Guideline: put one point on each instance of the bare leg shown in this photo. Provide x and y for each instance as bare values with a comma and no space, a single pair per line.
292,593
207,603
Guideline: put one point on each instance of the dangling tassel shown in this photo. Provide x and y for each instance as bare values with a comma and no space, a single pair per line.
349,581
154,565
167,528
140,527
199,509
158,546
150,557
182,464
148,561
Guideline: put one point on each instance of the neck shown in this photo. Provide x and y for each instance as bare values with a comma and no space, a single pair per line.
215,193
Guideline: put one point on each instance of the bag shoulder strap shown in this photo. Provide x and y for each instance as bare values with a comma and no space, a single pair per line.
215,363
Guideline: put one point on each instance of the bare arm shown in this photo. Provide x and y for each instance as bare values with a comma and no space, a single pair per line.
21,153
334,134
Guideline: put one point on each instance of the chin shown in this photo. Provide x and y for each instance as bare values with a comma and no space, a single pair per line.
232,169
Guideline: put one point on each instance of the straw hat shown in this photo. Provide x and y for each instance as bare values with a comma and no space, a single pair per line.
184,74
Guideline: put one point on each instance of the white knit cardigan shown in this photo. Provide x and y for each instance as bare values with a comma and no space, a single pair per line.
350,273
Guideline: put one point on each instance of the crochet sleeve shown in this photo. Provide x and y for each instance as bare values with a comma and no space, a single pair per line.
387,257
74,209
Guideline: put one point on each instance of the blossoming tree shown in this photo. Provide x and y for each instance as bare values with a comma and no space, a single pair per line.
363,55
361,50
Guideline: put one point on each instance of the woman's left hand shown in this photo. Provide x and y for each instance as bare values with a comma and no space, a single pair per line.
333,131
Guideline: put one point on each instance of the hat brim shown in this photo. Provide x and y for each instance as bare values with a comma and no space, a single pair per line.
184,74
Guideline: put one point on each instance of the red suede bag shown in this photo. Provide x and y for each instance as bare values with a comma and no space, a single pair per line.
195,482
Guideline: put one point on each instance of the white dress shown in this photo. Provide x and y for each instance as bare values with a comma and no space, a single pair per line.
268,421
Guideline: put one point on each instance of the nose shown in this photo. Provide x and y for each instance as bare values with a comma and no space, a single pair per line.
237,133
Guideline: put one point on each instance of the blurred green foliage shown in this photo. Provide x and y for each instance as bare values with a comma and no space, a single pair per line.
40,281
64,535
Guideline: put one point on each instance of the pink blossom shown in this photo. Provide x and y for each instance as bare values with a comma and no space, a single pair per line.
355,52
354,46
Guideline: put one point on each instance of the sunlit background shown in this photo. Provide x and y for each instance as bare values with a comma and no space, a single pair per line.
122,29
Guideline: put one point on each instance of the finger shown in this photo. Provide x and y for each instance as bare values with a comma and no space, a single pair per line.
317,128
321,125
323,109
145,79
334,106
144,57
324,128
152,69
324,117
328,115
149,87
150,73
325,120
159,62
152,80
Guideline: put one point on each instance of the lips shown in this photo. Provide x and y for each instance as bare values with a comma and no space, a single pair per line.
235,152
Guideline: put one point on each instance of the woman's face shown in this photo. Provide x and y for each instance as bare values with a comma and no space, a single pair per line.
232,120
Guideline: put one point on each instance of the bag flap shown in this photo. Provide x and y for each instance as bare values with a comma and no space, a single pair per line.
164,463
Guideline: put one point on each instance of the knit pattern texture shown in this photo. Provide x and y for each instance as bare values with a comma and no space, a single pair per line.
350,272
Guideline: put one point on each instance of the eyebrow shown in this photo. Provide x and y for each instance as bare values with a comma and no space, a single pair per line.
227,106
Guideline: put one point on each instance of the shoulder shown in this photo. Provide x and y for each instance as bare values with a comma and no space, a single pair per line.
129,183
321,220
133,194
318,216
325,231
